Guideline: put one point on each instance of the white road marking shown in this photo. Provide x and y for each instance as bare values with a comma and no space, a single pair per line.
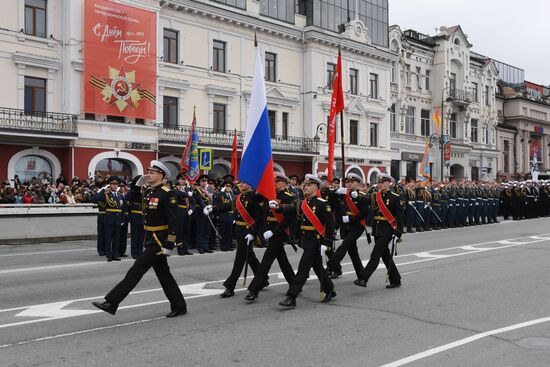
428,255
80,332
197,290
47,252
458,343
53,310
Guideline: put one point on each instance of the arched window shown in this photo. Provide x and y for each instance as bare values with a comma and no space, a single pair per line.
372,178
457,42
218,171
174,170
114,167
35,166
356,170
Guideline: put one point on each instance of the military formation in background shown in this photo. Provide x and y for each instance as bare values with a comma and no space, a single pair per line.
226,215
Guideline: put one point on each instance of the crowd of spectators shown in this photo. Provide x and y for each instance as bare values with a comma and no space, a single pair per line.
44,191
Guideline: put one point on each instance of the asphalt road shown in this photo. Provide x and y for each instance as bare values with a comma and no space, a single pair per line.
474,296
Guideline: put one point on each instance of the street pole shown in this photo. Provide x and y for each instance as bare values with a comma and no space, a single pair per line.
441,146
342,143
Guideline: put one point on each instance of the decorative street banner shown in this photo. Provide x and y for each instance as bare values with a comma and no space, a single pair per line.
120,60
446,150
535,148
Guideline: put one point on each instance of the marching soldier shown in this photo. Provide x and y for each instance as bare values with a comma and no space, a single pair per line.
387,226
250,210
160,224
135,217
183,195
100,222
282,212
123,191
355,206
224,205
113,202
203,207
317,231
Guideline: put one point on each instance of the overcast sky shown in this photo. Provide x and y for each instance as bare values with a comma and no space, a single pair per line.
516,32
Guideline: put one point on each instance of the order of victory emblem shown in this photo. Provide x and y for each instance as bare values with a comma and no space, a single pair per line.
120,89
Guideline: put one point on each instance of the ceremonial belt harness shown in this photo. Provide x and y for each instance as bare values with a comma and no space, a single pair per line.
313,218
243,212
354,209
385,211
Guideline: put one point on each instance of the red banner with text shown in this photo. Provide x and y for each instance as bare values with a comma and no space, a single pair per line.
120,60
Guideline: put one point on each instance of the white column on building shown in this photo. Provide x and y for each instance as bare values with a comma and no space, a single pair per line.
50,87
160,104
279,121
181,113
21,86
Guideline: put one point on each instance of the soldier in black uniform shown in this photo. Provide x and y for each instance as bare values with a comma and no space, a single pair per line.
203,208
100,222
355,207
224,206
183,195
315,238
250,216
123,191
282,212
160,218
134,198
384,232
113,202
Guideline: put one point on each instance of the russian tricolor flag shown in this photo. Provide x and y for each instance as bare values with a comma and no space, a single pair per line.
257,162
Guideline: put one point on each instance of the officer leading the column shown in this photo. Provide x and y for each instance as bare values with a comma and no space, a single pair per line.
160,224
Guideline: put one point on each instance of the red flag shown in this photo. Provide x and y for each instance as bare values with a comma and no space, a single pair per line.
336,106
234,170
184,162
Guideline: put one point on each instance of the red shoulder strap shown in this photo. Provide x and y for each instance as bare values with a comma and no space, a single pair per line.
354,209
280,219
243,212
313,218
384,209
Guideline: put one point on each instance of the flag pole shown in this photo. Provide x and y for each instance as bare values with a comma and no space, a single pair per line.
342,179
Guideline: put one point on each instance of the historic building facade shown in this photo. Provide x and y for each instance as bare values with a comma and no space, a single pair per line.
523,132
205,56
442,72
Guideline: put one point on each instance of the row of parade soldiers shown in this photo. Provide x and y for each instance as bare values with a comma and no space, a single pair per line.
256,218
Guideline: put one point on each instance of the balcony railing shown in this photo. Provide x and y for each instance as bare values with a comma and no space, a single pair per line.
460,96
38,122
224,138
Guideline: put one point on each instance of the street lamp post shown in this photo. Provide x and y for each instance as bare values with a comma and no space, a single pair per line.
440,137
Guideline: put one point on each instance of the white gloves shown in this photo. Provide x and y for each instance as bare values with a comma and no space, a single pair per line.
249,238
274,204
345,219
341,191
190,212
223,189
207,209
323,250
354,194
167,252
268,235
189,193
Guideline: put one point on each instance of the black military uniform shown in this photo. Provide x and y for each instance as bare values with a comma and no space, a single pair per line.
224,206
113,220
278,227
160,224
100,223
311,241
135,199
182,194
383,234
352,227
255,205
